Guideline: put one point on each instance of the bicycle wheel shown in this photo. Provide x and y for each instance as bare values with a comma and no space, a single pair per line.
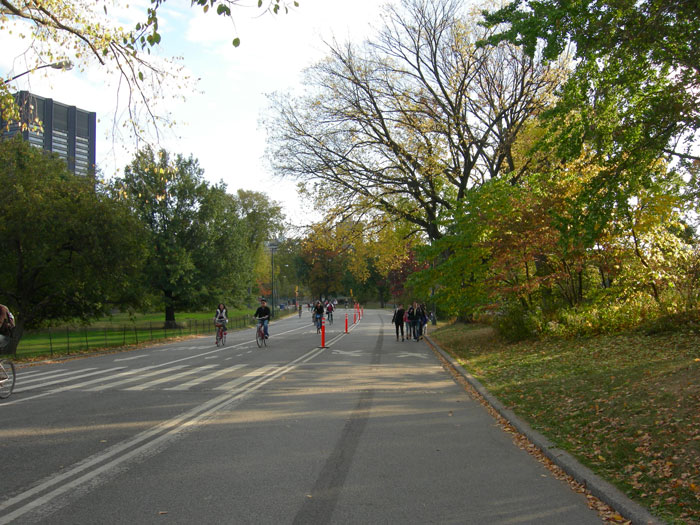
219,335
223,339
7,378
259,337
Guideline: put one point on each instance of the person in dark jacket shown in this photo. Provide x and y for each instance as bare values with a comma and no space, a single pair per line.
398,320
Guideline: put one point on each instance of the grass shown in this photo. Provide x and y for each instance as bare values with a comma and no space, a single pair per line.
626,405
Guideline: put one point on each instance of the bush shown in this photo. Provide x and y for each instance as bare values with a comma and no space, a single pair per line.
515,323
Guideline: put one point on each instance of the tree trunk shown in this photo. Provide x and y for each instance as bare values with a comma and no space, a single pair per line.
169,311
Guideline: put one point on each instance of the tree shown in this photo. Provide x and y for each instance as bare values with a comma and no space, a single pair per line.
634,93
81,32
67,250
406,123
261,220
197,245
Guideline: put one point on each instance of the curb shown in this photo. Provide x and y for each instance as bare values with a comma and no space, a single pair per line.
597,486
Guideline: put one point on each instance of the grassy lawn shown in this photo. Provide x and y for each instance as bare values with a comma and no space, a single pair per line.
627,405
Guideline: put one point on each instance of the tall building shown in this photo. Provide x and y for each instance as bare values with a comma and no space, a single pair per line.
66,130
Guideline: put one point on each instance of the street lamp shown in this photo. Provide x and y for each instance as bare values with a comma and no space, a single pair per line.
64,65
273,245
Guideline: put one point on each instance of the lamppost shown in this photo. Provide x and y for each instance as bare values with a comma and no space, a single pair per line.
273,245
65,65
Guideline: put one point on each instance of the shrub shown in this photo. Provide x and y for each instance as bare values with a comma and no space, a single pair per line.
515,323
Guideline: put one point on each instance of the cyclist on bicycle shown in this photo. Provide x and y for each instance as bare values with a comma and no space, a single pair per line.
221,316
329,310
7,324
262,314
318,314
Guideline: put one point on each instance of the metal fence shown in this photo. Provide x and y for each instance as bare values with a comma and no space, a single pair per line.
56,341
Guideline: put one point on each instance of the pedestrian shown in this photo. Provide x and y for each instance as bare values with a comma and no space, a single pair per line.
397,319
424,320
412,311
407,324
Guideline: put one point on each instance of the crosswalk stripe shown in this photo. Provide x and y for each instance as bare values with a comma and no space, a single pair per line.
203,379
62,380
167,378
54,375
251,375
124,378
37,373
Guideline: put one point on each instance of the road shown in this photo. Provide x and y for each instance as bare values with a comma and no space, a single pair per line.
365,430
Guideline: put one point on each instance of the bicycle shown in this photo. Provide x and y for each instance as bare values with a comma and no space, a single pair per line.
221,332
7,378
329,315
318,322
260,338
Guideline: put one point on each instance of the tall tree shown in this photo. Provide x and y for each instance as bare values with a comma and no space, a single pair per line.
406,123
67,250
634,95
194,232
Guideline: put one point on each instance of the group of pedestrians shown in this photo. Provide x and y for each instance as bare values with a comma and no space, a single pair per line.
414,319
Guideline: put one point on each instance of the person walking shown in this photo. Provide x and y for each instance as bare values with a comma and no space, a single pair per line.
413,334
407,324
423,320
397,319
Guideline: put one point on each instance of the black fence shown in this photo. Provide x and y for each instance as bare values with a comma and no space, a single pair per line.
57,341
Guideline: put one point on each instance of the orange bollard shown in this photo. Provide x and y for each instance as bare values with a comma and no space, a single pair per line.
346,323
354,318
323,333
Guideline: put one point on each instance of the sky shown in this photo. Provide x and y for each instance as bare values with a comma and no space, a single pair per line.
219,121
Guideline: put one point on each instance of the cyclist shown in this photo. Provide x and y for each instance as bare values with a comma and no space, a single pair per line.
221,316
262,314
318,314
329,310
7,324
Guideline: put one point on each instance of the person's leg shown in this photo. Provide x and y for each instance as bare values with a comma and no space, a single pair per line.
265,322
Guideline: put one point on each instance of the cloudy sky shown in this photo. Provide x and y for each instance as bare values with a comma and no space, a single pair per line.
218,123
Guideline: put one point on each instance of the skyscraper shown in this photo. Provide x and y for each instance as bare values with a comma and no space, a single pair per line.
66,130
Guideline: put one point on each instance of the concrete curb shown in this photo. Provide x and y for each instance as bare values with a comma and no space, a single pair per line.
597,486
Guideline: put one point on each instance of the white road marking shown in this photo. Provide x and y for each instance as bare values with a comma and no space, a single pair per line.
143,443
203,379
244,379
124,378
169,377
409,354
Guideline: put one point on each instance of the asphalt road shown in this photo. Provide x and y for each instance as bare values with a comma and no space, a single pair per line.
365,430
